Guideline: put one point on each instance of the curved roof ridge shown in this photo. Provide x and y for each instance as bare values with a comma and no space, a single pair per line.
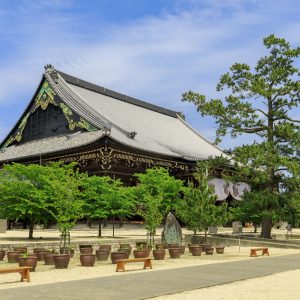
122,97
77,103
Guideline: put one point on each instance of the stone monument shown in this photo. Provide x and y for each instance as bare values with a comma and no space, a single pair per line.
3,225
172,233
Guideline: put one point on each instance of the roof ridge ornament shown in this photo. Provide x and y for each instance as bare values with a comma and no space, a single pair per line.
49,69
131,135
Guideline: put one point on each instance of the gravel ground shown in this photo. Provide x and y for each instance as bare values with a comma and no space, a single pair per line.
48,274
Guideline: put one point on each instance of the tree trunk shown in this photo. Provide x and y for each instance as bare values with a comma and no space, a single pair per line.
89,222
121,222
99,228
24,224
113,223
255,228
31,225
266,227
205,236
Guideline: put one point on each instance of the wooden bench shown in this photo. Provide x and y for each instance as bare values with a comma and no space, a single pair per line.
24,272
264,250
121,263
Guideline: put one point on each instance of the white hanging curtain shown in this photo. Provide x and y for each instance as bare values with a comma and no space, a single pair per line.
221,188
238,189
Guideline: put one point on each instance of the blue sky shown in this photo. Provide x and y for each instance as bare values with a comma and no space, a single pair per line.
153,50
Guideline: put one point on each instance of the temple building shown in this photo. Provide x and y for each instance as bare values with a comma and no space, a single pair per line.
106,132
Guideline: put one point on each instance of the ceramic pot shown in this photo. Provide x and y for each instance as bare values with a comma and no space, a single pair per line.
86,250
61,261
159,254
117,255
13,256
141,253
196,250
209,251
21,249
2,254
175,252
48,258
40,254
87,260
102,255
30,261
105,247
220,250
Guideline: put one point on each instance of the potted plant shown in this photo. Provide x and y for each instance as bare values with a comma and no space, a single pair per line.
159,253
161,246
220,249
87,259
2,254
196,250
125,248
48,257
86,249
118,255
13,256
67,206
40,254
199,200
68,250
209,251
175,252
102,254
105,247
28,260
21,249
142,251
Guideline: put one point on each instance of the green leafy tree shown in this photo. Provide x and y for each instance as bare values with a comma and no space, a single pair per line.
291,200
198,209
262,103
22,194
121,201
63,186
151,212
157,194
97,194
254,206
157,182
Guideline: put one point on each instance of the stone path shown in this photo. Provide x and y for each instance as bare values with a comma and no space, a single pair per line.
156,283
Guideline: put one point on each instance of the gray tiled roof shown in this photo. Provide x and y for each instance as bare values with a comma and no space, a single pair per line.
49,145
157,130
